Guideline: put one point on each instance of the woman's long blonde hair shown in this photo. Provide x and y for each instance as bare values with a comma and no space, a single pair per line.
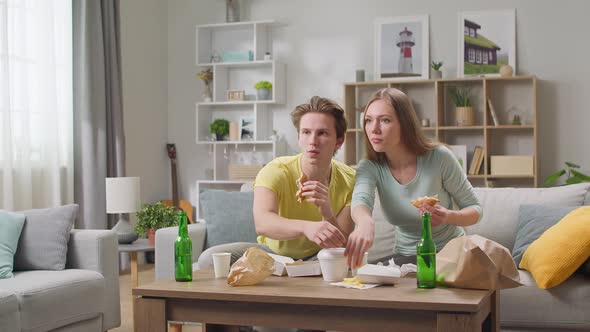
411,133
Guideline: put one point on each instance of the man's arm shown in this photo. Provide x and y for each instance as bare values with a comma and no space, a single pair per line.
343,221
268,223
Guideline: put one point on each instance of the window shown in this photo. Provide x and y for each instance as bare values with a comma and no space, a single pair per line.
36,117
466,31
478,56
471,32
471,55
485,58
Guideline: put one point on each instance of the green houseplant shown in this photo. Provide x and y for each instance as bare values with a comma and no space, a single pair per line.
572,175
464,111
219,127
263,89
436,72
154,216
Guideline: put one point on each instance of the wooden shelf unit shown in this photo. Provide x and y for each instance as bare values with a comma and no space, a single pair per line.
431,99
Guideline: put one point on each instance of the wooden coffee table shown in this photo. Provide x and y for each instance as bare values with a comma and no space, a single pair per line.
311,303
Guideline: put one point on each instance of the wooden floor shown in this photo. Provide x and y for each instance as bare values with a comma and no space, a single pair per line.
146,275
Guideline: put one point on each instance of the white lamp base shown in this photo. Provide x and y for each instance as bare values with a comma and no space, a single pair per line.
125,231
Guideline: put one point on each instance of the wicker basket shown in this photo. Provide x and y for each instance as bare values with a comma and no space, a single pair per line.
243,172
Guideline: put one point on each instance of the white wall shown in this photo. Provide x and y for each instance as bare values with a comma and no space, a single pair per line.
145,85
323,42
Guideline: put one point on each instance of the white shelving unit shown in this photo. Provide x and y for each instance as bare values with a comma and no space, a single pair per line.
213,40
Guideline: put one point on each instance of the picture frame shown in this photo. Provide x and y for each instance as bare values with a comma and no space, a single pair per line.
235,95
460,152
486,41
247,128
402,48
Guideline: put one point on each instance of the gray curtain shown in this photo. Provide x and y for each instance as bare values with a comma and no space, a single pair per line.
99,142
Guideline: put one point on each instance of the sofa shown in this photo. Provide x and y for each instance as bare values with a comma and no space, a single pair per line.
81,296
525,308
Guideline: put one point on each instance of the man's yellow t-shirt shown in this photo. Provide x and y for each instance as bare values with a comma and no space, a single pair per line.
280,176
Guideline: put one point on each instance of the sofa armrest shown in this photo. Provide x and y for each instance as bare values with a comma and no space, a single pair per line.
97,250
165,247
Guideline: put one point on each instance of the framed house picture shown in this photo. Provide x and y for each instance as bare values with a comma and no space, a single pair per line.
460,152
401,48
486,41
235,95
247,128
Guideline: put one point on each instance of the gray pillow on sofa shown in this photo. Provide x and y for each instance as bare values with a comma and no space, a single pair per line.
533,221
43,244
228,215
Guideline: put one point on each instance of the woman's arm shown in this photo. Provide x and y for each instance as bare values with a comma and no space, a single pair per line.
361,239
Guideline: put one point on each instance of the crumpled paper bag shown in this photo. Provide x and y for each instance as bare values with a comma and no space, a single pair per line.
253,267
476,262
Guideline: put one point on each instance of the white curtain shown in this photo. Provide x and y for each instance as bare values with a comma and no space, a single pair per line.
36,153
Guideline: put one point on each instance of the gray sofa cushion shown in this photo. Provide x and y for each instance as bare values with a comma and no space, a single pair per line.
501,205
11,226
228,215
9,315
533,221
565,306
51,299
43,244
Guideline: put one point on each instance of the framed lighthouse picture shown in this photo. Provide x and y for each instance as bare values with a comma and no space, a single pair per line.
401,48
487,41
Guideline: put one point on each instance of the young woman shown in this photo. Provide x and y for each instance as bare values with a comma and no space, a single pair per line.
402,165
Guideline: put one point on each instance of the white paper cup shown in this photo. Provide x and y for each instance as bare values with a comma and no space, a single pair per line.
221,262
363,262
333,264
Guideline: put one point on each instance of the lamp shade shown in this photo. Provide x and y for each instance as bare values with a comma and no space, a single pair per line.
123,195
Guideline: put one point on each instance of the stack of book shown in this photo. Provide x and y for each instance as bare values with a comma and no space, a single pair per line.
476,161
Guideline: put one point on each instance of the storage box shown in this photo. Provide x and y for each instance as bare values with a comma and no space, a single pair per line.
511,165
238,56
243,172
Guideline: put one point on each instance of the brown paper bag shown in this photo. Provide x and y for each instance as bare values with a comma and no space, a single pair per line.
475,262
253,267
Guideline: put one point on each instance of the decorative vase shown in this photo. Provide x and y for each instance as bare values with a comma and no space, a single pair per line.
506,71
464,116
263,94
151,236
232,11
207,97
434,74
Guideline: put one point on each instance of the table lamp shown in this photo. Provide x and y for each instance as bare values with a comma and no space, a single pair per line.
123,197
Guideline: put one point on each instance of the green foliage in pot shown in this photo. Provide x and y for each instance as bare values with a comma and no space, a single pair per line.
461,96
263,85
436,65
572,175
219,127
155,216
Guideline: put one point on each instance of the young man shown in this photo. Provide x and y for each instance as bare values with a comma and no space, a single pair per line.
302,202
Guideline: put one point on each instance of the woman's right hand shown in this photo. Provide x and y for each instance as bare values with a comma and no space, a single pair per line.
359,242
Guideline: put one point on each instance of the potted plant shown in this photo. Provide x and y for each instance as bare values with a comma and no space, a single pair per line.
572,175
436,72
263,90
463,110
219,127
153,217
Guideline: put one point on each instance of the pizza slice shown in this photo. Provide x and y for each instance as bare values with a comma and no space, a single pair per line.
432,201
299,194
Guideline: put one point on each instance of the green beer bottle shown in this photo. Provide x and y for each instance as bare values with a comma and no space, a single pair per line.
183,248
426,256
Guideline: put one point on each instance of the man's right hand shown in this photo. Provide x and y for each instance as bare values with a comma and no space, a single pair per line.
324,234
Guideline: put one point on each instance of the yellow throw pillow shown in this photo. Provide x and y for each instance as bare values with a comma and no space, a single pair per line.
560,251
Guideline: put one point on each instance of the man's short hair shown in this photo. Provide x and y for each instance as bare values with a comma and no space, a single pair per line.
325,106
